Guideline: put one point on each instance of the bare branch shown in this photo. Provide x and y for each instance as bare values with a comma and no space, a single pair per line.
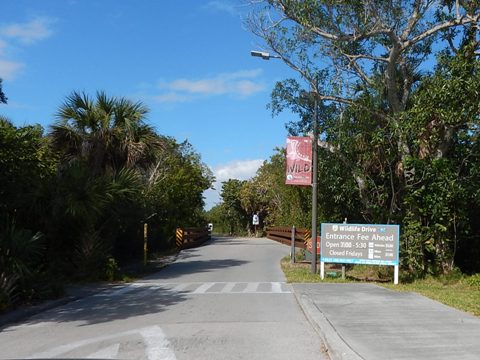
440,27
413,20
358,69
327,146
368,57
378,29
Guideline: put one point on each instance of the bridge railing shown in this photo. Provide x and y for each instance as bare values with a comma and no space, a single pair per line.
284,235
189,237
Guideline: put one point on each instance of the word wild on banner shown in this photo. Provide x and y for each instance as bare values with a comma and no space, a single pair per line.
299,161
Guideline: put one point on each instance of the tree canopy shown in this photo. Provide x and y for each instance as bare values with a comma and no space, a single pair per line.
397,87
73,201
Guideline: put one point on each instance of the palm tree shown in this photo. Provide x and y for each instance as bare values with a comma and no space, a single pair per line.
108,133
105,148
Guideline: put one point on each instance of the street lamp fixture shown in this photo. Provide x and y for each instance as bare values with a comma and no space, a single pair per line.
264,55
267,56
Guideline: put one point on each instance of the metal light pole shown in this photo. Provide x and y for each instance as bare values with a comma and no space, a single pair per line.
268,56
314,184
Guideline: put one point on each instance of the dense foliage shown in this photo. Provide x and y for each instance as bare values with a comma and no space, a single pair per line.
73,201
397,85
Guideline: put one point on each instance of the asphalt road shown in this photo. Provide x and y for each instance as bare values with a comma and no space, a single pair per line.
225,300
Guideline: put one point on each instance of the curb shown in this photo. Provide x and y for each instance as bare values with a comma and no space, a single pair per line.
336,346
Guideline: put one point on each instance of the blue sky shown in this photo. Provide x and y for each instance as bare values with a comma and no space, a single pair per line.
188,60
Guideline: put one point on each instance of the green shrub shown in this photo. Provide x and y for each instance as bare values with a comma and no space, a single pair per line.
474,280
7,291
111,269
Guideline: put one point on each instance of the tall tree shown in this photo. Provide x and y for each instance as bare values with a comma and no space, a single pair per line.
407,135
108,133
106,149
276,203
366,54
175,188
234,213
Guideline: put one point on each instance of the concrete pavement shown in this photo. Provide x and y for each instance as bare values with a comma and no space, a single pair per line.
225,300
355,321
365,321
72,293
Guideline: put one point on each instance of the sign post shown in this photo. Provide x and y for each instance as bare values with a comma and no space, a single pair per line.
301,166
360,244
292,245
255,222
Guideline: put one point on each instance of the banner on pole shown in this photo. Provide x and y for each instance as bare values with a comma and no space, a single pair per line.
299,161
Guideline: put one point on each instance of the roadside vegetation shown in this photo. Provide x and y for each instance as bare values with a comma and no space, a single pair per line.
74,197
397,86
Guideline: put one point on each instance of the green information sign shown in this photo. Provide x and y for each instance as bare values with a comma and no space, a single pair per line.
360,244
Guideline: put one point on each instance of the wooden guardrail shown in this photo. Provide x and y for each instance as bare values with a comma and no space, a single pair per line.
186,238
284,236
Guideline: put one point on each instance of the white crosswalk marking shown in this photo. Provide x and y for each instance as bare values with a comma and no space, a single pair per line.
276,287
218,287
228,287
203,288
251,287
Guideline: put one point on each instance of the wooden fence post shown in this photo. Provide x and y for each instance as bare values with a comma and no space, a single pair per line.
292,251
145,241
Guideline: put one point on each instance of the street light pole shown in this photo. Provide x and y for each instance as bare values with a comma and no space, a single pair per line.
268,56
314,184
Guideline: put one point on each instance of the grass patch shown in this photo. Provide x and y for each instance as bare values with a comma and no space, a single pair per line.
458,294
300,272
460,291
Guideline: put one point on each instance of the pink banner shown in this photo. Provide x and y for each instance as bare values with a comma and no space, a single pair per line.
299,161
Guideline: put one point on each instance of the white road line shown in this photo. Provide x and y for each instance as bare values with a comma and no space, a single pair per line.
276,287
228,287
203,288
158,347
251,287
154,337
110,352
199,288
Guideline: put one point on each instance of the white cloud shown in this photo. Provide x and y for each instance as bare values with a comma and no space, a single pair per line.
241,83
205,86
20,33
170,97
8,69
239,169
247,87
27,33
243,74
